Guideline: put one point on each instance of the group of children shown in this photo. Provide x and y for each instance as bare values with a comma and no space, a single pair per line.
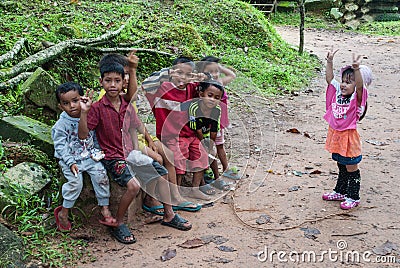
107,137
189,103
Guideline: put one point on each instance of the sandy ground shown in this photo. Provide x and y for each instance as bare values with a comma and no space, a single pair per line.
277,207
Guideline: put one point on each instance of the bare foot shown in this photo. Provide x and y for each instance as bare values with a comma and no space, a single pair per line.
196,193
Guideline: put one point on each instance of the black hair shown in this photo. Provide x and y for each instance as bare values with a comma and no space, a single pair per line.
201,65
112,68
67,87
183,60
211,59
206,84
348,71
113,58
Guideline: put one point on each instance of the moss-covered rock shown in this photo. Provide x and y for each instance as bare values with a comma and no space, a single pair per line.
11,249
22,128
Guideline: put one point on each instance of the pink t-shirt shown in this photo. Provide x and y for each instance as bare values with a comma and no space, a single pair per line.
342,112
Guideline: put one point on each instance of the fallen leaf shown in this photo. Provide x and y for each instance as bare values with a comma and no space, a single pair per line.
377,143
168,254
263,219
294,188
385,248
310,232
217,239
293,130
297,173
226,248
192,243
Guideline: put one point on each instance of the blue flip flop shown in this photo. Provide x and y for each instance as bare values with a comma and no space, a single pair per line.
184,206
231,174
153,209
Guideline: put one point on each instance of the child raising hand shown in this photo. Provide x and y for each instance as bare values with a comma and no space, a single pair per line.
346,103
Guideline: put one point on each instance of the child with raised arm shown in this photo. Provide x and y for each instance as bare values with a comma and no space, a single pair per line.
345,105
77,156
210,64
165,91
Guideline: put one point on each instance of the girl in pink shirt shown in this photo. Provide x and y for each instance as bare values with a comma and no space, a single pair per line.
346,103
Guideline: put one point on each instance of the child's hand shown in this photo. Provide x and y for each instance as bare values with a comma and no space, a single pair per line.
331,54
74,170
133,60
356,61
86,101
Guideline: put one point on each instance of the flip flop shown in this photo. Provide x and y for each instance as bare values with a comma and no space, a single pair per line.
178,223
153,209
184,206
232,174
221,185
61,227
107,221
121,232
207,189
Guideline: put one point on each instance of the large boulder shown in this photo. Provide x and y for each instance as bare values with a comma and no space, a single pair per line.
22,128
11,249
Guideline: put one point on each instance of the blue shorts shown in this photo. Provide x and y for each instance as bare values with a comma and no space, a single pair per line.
346,160
118,171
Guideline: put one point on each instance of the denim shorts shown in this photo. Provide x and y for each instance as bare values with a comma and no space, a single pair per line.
346,160
118,171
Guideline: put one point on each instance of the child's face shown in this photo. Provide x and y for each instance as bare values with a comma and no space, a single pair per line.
112,83
348,85
126,77
70,103
181,75
211,97
213,69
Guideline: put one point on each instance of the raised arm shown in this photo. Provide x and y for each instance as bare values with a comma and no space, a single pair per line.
329,65
358,77
133,62
229,75
86,103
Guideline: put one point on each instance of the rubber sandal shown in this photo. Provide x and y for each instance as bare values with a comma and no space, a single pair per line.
121,232
61,227
207,189
178,223
107,221
220,184
184,206
232,174
154,209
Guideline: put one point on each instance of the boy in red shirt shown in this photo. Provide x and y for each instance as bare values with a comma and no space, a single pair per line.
165,91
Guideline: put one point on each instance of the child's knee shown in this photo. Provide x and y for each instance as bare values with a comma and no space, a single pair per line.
133,187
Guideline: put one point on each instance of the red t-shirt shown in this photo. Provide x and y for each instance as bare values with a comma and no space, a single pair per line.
165,102
108,124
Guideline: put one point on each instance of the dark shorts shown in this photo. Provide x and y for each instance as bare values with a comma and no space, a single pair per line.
118,171
147,173
346,160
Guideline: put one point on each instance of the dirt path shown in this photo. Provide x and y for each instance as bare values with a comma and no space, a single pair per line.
279,183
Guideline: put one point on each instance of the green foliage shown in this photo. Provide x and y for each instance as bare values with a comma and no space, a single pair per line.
386,25
31,218
190,28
